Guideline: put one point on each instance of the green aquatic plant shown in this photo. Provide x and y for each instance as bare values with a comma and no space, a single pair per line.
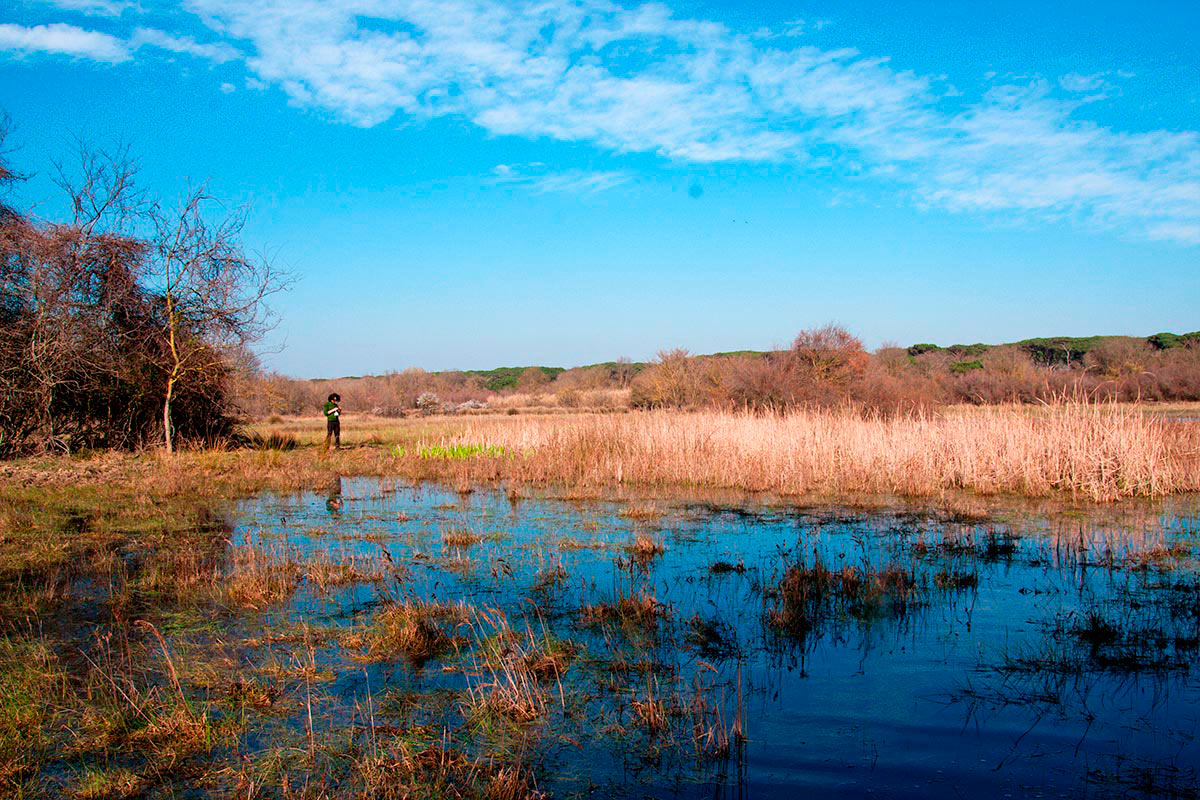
809,595
460,452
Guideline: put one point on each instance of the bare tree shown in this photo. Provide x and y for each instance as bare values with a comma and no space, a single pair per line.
212,292
120,312
623,372
532,379
829,355
60,285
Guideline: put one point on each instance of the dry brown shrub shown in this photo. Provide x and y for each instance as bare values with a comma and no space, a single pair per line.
829,356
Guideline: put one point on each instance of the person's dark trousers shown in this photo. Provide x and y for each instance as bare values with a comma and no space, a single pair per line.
333,430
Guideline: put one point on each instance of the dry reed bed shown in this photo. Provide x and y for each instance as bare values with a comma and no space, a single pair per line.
1100,452
1103,452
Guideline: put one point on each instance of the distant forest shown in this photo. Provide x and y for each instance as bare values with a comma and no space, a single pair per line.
824,365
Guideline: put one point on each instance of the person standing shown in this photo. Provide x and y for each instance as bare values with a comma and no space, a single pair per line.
333,421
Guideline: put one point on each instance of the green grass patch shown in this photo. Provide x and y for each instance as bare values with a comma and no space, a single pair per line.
963,367
461,452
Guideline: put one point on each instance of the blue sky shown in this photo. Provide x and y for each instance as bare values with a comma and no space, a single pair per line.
465,183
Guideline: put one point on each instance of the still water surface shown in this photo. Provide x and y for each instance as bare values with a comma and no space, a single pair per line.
1049,659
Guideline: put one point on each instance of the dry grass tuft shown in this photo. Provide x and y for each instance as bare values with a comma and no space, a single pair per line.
324,573
947,579
412,628
1161,557
640,512
511,668
639,610
568,543
259,576
650,711
644,549
408,771
808,595
114,784
460,538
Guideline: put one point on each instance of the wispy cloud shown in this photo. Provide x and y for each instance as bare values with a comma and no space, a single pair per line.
217,52
96,8
69,40
538,178
640,79
65,40
1074,82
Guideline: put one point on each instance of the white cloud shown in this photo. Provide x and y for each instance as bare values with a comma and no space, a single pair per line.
536,177
218,52
639,79
96,8
1074,82
228,88
62,39
69,40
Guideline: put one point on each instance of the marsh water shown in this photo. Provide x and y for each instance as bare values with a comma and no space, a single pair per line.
1022,657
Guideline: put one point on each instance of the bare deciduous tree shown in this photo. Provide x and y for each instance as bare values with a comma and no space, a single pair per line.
212,292
120,311
829,355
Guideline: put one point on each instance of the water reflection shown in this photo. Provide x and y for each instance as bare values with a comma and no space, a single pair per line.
684,650
333,502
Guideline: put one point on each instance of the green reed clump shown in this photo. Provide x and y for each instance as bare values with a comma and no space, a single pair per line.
809,595
460,452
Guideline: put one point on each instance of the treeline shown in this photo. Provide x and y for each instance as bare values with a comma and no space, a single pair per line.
824,366
398,393
125,320
828,366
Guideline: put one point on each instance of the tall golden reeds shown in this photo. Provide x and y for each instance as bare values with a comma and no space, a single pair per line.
1101,451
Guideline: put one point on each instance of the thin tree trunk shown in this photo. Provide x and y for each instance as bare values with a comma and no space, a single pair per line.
167,415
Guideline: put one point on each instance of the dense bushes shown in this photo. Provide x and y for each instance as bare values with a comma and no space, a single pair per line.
828,366
824,367
94,333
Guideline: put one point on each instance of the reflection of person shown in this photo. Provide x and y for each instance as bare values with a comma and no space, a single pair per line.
334,502
333,421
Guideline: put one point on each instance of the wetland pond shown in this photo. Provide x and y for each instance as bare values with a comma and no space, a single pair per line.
666,648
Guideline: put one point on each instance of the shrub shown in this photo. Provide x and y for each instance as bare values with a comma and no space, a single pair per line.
829,355
428,404
1165,341
569,398
1117,358
532,379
